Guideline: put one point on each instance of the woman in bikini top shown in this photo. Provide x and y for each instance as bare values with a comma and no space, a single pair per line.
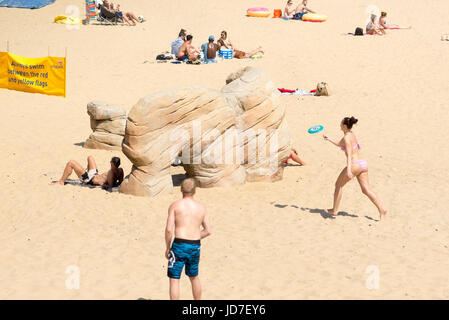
355,168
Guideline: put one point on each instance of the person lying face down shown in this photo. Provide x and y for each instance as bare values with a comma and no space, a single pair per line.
90,176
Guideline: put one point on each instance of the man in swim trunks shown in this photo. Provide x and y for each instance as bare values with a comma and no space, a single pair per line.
187,51
90,176
185,218
301,10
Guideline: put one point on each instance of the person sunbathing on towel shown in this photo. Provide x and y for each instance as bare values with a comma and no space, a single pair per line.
90,176
188,51
295,157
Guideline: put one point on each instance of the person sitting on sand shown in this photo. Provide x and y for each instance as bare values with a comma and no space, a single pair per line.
301,10
289,11
355,168
295,157
383,23
224,42
373,28
188,52
211,51
90,176
128,18
176,44
131,17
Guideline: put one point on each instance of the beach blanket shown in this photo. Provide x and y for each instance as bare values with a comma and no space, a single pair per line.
76,182
28,4
67,20
297,91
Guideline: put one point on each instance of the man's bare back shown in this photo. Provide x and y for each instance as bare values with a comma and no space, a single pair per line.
189,217
184,222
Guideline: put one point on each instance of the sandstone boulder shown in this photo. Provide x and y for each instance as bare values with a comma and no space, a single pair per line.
108,124
224,137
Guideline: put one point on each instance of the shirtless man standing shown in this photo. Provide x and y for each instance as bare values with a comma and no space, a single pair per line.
187,51
112,178
185,216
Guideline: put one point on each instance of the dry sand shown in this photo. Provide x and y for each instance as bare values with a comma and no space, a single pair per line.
269,241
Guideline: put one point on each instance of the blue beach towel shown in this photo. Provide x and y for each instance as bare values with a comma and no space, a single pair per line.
28,4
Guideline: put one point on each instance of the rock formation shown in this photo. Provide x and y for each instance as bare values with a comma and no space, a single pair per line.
108,124
225,137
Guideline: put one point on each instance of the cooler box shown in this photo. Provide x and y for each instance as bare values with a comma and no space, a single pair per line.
226,53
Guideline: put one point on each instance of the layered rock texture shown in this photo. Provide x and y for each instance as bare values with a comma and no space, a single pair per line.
108,124
224,137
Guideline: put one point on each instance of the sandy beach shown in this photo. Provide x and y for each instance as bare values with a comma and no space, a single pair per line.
269,240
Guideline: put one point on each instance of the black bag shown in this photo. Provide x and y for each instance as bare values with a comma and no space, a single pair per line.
358,32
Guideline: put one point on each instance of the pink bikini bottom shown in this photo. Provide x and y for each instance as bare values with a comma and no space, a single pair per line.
363,164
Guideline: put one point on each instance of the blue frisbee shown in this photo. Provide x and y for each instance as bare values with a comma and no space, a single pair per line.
315,129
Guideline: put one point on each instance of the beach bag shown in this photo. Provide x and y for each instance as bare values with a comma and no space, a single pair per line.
358,31
322,89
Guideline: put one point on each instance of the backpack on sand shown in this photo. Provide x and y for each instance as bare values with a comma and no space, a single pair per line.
358,31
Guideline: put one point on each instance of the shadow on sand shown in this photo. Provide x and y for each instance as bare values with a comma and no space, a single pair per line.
323,214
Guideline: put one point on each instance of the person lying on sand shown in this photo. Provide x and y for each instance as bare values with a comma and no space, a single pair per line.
289,11
188,222
383,23
355,168
295,157
188,52
301,10
112,178
373,28
224,42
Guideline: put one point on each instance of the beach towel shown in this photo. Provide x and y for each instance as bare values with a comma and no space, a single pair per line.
297,91
77,182
67,20
27,4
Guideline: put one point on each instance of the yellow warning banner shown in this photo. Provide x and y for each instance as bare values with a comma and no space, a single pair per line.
38,75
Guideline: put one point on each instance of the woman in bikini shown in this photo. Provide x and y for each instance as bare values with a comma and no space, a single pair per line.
355,168
227,44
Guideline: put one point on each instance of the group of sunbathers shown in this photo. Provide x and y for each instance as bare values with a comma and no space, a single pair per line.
378,27
127,17
184,51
